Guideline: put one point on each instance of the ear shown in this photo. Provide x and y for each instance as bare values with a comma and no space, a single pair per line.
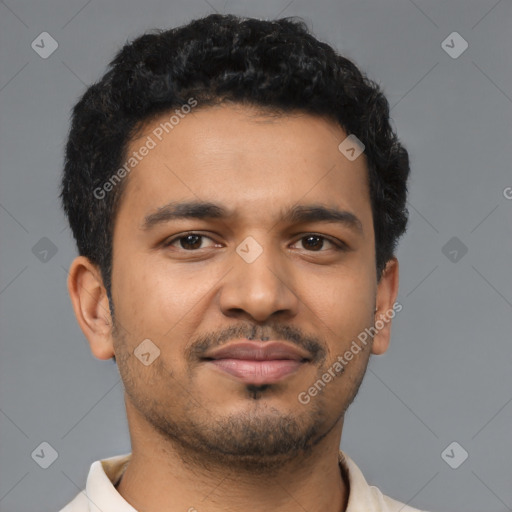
387,291
90,303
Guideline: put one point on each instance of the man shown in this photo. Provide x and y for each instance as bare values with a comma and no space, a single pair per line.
236,193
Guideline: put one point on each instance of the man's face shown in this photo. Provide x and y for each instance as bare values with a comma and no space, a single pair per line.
192,285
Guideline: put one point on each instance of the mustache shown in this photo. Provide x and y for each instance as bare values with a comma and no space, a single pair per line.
213,339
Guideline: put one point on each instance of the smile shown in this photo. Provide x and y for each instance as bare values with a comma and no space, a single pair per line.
258,362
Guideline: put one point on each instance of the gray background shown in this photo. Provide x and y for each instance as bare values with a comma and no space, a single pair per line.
447,375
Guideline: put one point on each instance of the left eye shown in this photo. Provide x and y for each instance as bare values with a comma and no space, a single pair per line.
315,242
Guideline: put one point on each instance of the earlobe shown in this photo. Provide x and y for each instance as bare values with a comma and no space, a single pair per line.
387,292
90,304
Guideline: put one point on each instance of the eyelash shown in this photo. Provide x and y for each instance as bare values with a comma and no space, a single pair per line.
338,244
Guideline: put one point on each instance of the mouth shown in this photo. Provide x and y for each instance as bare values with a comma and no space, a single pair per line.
258,362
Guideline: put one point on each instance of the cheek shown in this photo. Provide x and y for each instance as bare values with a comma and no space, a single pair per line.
342,303
139,293
155,296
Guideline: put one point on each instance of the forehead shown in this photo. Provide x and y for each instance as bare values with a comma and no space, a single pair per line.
242,157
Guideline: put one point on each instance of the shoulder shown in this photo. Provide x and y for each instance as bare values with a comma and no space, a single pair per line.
100,493
363,496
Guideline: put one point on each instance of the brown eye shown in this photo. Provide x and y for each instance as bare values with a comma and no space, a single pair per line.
316,243
190,242
313,242
187,242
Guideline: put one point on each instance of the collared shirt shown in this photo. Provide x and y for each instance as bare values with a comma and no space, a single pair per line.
101,495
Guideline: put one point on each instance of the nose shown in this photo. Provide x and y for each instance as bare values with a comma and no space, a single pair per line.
259,289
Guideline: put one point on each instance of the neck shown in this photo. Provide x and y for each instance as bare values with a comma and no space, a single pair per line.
160,477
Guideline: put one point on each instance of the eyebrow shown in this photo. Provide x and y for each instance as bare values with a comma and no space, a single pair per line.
209,210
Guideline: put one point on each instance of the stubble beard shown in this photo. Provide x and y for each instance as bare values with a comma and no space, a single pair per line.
261,440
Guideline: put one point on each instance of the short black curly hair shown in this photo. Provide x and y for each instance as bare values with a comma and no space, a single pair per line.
273,64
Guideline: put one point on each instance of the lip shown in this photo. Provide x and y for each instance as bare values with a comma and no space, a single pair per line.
256,362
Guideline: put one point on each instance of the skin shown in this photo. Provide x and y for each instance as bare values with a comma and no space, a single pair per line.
190,424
